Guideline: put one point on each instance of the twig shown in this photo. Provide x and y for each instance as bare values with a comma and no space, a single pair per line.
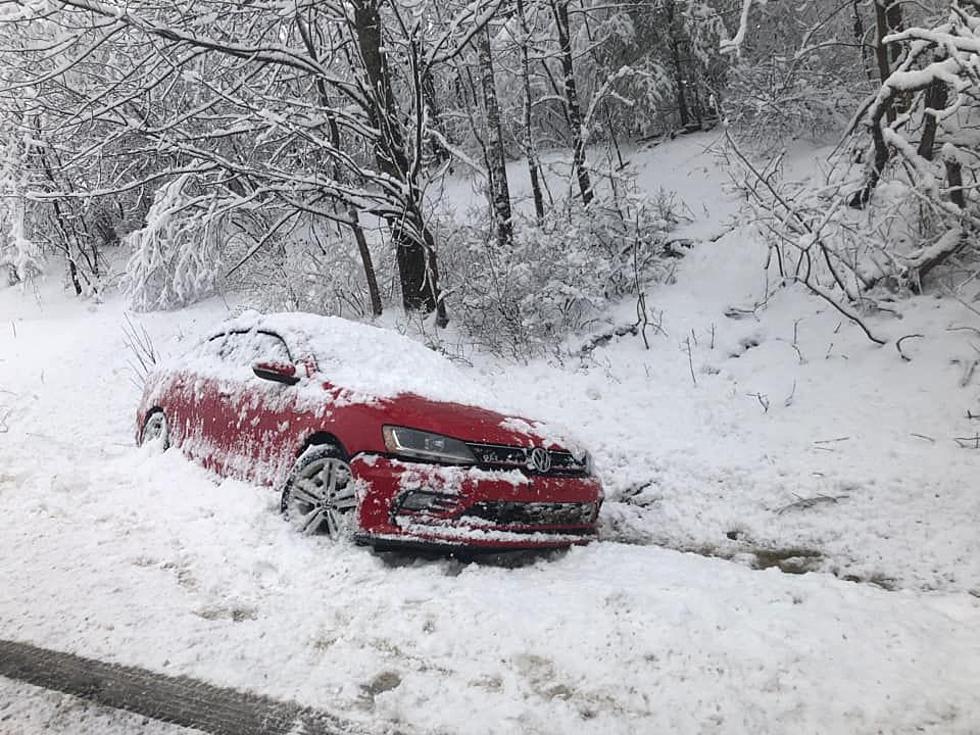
833,441
968,442
763,400
804,503
140,345
643,319
963,329
690,360
735,312
795,345
922,436
792,394
968,370
898,345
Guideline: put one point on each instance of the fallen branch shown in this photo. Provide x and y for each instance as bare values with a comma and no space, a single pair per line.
690,361
763,400
964,329
898,345
833,441
841,308
606,337
804,503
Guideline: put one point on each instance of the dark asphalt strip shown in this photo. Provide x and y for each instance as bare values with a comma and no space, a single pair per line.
177,700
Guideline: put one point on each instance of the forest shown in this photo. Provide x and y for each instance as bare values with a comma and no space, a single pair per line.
296,152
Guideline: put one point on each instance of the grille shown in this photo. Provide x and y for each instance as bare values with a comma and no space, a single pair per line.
533,514
563,463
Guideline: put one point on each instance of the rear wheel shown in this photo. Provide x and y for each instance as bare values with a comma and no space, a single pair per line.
319,496
155,431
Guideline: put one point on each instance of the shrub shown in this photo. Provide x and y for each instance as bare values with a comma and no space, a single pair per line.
559,275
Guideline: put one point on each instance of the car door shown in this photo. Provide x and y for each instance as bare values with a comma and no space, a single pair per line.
209,386
259,411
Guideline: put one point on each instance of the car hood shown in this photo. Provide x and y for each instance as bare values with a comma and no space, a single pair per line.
470,423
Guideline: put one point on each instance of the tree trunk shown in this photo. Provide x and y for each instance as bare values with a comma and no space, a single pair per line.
936,95
374,293
859,39
415,254
560,10
888,19
954,177
882,155
530,150
67,231
675,57
499,188
437,149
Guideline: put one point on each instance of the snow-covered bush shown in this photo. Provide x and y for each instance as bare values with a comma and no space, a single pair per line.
177,253
312,267
773,101
18,253
900,200
559,276
924,130
20,256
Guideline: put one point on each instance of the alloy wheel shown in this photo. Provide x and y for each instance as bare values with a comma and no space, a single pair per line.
321,496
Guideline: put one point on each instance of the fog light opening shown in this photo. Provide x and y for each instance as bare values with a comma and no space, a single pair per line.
425,501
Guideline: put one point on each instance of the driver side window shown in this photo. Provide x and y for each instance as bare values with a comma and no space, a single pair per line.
247,348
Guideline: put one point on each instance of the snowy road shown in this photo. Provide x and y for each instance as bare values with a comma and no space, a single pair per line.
31,710
161,699
113,553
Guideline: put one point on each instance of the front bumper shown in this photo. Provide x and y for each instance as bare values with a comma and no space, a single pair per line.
436,506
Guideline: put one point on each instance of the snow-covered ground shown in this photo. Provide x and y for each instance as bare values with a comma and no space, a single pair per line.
781,436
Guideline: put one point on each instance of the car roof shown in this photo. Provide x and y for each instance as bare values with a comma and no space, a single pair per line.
363,358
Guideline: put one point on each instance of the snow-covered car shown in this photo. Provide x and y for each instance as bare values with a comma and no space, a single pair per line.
370,434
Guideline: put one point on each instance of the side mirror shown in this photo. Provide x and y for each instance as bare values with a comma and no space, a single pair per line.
278,372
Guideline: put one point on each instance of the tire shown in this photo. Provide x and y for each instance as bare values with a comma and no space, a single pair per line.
320,494
156,432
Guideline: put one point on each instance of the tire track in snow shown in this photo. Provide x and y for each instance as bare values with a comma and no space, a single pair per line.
177,700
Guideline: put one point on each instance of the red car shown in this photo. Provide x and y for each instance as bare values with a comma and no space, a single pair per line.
368,433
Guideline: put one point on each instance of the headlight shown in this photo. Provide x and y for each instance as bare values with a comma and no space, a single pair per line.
423,445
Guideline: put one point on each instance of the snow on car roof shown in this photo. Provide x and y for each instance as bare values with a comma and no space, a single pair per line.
369,361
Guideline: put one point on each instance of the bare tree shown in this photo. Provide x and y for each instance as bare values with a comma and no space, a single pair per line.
574,111
499,188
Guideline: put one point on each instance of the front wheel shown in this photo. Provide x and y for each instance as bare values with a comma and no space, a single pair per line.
319,496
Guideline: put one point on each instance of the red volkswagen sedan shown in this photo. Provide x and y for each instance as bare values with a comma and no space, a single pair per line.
367,433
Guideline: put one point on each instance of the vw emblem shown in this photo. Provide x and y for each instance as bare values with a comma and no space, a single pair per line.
540,459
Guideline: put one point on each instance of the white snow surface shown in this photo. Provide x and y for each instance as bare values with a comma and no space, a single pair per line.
118,553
